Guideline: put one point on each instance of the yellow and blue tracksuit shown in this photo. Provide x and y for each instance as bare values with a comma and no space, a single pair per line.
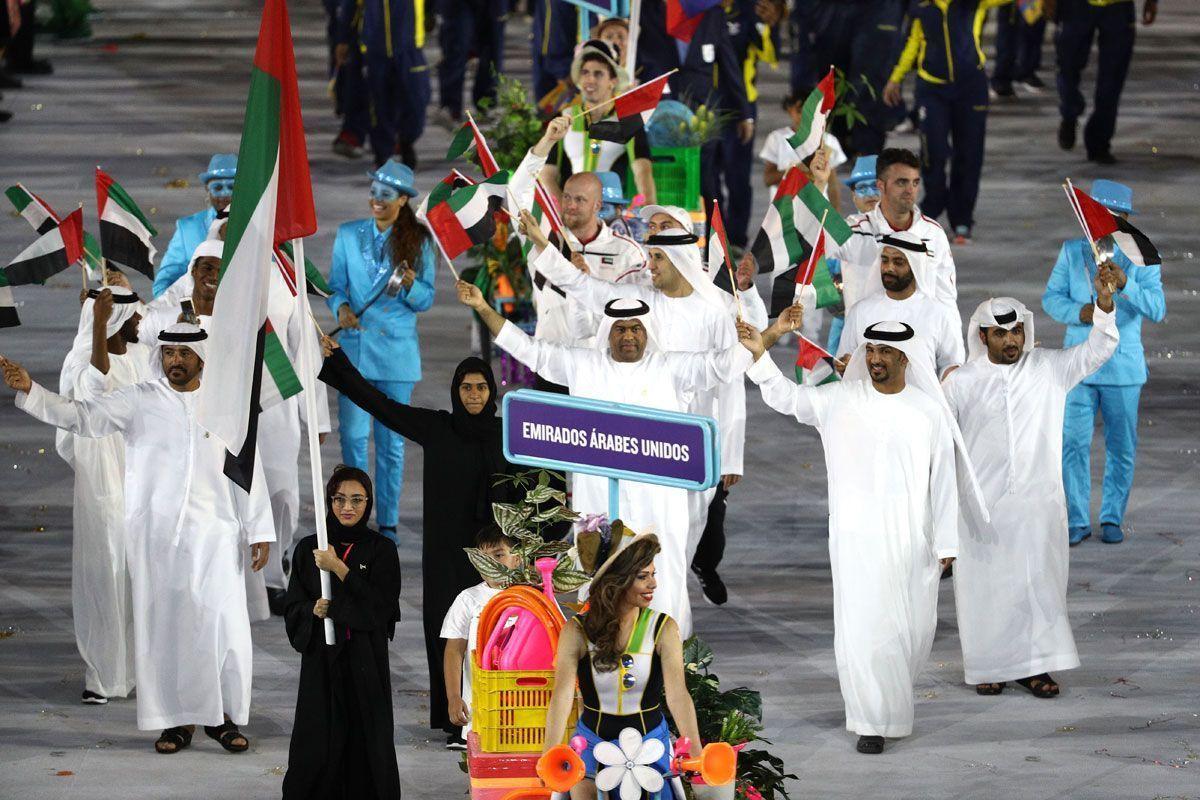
349,85
1114,389
952,101
1079,22
390,36
1018,43
555,31
859,37
465,27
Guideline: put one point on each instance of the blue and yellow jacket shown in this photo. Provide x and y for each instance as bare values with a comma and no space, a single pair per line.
944,39
386,27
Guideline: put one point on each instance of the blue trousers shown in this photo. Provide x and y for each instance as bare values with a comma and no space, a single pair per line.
1018,46
953,122
349,85
465,26
1118,407
354,429
1079,24
399,92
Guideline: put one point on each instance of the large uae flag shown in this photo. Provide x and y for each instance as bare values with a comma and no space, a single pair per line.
125,232
272,203
51,253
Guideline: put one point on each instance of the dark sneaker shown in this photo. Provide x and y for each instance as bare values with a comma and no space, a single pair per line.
345,145
1080,533
34,66
871,745
9,81
962,234
712,586
1111,533
1066,134
1002,89
1033,84
455,742
1105,158
90,698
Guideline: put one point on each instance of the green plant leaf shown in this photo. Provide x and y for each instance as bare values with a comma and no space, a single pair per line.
567,579
488,567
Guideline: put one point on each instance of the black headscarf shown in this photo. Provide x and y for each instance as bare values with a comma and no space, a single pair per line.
337,531
482,430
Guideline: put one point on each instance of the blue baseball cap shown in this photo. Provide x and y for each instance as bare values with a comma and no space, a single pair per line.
222,165
396,174
611,190
1113,196
864,171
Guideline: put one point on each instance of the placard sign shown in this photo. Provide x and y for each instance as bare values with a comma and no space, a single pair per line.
614,440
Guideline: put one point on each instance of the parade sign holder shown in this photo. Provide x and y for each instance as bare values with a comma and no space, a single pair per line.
617,441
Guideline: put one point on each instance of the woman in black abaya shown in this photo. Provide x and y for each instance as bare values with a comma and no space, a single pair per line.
342,741
463,454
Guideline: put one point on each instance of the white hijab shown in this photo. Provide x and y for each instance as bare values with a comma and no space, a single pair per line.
999,312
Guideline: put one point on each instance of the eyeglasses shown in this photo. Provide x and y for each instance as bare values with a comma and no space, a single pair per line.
866,190
381,191
220,188
354,501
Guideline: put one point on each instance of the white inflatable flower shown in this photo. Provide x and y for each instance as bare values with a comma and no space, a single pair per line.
627,766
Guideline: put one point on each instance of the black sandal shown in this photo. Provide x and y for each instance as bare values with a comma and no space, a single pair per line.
178,737
1041,686
990,688
225,734
870,745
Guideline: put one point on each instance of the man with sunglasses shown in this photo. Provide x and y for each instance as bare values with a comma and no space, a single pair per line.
193,229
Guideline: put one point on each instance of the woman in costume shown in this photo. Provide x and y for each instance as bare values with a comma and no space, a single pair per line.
627,659
342,740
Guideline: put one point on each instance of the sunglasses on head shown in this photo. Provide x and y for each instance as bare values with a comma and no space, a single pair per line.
221,188
381,191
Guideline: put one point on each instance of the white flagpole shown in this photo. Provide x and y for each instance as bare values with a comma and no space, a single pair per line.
308,380
635,24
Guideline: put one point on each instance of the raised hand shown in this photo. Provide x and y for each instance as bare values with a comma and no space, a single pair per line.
751,338
532,231
103,307
15,375
470,296
554,134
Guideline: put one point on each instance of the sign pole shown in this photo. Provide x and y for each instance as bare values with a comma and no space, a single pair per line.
614,500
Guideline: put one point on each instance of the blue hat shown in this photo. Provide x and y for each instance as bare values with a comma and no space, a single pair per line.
1113,196
611,190
396,174
222,165
864,170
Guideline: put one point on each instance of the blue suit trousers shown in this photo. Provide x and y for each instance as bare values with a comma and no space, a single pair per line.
354,429
1079,25
1118,407
953,122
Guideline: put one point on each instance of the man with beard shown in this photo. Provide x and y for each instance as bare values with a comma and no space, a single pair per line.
190,535
193,229
195,306
1010,582
105,357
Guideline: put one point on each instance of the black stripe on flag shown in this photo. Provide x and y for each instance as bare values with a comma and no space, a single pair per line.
240,468
120,245
37,270
1135,244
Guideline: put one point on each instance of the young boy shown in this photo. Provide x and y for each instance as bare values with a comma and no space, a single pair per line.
459,628
778,155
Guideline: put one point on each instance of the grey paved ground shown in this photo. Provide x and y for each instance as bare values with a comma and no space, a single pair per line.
162,86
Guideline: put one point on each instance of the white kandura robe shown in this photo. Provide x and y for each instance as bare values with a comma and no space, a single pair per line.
1010,579
658,380
893,512
100,597
185,548
938,328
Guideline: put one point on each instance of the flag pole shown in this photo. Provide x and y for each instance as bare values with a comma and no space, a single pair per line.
635,24
728,264
308,380
1087,234
631,90
809,264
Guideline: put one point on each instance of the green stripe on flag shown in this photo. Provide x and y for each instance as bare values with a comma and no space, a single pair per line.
256,158
279,367
822,283
459,144
818,206
118,194
791,239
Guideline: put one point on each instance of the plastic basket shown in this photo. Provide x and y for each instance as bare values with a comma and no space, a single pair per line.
508,709
676,176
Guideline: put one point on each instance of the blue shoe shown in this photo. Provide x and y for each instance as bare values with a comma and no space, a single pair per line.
1111,533
1080,533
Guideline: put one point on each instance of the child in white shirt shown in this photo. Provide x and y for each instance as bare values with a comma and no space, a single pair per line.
459,631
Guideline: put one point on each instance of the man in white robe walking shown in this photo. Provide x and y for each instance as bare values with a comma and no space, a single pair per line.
1010,582
889,444
627,365
105,357
191,534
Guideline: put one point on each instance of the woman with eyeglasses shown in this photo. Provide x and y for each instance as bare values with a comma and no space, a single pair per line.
627,659
342,739
379,331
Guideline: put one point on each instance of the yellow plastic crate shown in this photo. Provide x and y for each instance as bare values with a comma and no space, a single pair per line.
508,709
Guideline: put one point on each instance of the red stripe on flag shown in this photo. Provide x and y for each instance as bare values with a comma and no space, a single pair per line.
71,230
828,94
103,181
810,354
286,268
295,215
449,230
679,24
54,216
1099,220
805,276
793,181
641,98
487,162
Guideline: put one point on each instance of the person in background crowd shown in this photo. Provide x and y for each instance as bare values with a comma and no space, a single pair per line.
555,23
193,229
349,87
466,28
1020,29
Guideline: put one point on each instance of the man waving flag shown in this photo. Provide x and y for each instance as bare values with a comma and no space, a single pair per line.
272,203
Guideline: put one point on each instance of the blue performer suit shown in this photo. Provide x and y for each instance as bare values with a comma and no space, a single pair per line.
1114,389
191,230
386,350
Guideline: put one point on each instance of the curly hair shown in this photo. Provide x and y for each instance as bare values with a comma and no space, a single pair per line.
407,237
601,623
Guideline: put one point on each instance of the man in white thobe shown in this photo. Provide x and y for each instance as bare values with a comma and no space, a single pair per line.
191,533
105,357
627,365
903,274
1010,582
890,446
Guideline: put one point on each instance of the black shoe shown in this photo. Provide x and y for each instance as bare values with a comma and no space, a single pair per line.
5,116
1104,157
871,745
1066,134
407,154
9,81
92,699
34,66
1003,89
712,586
1033,84
275,598
455,742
